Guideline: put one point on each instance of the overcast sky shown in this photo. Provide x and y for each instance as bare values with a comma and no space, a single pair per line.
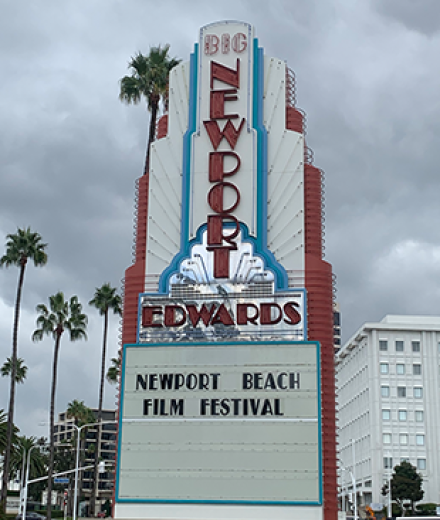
70,152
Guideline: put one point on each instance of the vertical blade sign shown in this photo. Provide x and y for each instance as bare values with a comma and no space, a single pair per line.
219,242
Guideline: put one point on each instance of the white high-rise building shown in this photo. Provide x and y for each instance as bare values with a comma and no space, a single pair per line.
388,381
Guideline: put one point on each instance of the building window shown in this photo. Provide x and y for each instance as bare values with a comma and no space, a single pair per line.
400,369
404,459
385,391
421,463
417,369
420,440
386,438
386,415
384,368
415,346
401,391
418,392
399,345
402,415
403,438
388,462
419,415
383,345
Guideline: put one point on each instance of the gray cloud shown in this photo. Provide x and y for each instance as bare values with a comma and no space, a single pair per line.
423,17
70,153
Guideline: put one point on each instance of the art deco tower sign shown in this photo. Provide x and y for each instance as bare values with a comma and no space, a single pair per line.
227,311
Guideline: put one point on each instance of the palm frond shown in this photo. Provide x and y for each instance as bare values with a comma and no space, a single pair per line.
37,335
22,245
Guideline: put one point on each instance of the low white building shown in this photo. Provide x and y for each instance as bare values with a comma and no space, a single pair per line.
389,404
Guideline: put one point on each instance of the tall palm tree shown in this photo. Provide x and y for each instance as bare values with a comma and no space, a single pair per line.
113,371
20,369
63,315
106,299
20,247
149,79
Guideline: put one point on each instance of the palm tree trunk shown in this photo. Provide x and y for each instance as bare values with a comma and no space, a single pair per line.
152,133
10,427
98,431
52,414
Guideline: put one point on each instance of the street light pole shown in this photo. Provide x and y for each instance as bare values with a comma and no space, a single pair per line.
390,508
353,483
26,481
22,477
353,477
343,488
78,429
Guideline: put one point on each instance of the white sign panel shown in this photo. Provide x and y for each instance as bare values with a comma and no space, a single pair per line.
220,423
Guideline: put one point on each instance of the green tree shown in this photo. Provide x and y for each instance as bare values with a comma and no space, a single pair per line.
64,460
63,315
80,413
113,371
38,457
20,247
105,299
3,432
20,369
406,485
149,79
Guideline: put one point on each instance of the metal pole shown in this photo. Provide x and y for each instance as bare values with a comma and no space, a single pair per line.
353,475
26,482
343,490
22,477
390,508
75,495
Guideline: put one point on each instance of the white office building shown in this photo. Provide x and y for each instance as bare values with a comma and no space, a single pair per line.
389,404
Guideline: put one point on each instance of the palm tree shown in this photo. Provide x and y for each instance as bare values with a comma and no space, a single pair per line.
37,459
63,315
81,413
105,299
20,247
149,78
20,369
113,371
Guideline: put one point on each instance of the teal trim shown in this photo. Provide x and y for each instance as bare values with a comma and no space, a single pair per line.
221,343
318,364
219,502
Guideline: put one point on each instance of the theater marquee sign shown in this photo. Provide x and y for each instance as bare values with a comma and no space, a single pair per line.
220,396
221,423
